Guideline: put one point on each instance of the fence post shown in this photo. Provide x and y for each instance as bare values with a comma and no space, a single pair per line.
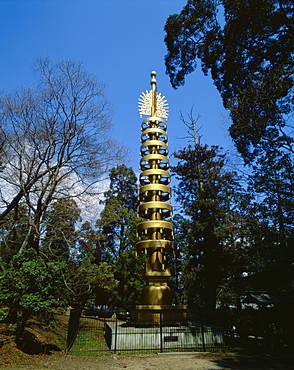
115,338
161,344
73,327
203,337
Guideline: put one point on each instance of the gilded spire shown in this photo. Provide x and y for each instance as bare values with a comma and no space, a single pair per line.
155,232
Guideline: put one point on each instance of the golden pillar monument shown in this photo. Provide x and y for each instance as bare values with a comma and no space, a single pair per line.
155,233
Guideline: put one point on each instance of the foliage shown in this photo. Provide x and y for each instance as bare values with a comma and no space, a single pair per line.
13,234
118,225
33,286
273,179
208,195
88,279
91,282
89,244
271,221
248,48
117,222
60,235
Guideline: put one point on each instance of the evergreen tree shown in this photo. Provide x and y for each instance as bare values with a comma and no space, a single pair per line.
247,46
272,231
90,282
118,224
61,235
90,244
14,231
207,194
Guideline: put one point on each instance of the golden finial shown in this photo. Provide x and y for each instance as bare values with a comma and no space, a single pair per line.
151,103
153,89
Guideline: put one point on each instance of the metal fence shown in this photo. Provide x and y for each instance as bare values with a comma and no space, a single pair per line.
86,331
111,332
101,331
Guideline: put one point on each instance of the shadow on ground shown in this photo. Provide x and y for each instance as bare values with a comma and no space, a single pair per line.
253,363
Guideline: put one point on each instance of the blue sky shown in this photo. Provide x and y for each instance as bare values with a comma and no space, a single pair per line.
121,42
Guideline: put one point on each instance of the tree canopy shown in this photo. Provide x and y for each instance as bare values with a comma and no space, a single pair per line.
118,226
247,46
57,141
208,195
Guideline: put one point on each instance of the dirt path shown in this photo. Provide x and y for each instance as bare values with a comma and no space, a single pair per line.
148,362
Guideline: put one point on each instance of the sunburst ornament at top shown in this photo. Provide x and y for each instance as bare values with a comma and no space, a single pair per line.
146,102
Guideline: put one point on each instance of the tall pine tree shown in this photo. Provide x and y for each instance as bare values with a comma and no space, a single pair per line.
118,225
207,194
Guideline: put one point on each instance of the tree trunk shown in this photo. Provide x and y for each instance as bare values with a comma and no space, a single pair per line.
21,325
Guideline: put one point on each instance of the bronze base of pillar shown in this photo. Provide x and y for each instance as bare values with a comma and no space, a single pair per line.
159,314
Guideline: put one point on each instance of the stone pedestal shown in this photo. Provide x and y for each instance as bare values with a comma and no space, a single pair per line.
123,337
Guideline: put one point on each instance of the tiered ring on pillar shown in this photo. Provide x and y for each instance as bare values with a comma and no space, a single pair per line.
154,190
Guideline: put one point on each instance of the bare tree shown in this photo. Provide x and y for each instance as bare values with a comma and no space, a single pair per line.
56,141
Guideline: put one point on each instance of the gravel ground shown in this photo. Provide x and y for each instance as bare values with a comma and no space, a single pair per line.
164,361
